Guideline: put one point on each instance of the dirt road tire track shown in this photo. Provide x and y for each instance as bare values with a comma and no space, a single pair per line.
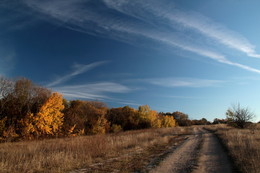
210,156
183,159
201,152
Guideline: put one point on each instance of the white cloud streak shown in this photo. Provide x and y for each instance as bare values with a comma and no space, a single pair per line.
182,97
203,52
98,87
191,20
215,31
79,69
184,82
91,91
148,19
17,19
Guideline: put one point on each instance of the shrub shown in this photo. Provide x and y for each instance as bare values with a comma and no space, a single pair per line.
239,116
116,128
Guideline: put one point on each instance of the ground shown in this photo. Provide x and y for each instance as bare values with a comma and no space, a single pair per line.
198,152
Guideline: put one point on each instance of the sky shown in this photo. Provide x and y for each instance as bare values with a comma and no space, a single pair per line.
198,57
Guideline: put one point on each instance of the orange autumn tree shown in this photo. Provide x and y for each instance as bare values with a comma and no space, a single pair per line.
48,120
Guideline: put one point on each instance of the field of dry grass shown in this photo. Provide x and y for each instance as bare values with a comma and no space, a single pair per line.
61,155
243,146
126,151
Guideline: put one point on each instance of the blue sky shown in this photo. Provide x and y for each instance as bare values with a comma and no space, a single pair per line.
198,57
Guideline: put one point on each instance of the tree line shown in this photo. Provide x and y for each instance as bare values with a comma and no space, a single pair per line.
183,119
29,111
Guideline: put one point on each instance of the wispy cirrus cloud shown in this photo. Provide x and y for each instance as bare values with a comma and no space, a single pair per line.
184,82
182,97
204,52
92,90
216,31
96,91
190,20
78,69
14,16
98,87
150,20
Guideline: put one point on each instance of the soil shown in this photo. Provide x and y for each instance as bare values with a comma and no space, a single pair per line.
201,153
184,158
212,157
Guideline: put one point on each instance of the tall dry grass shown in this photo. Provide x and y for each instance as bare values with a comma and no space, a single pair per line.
60,155
243,146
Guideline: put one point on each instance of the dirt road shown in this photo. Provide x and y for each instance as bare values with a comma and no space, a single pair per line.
212,157
197,152
201,153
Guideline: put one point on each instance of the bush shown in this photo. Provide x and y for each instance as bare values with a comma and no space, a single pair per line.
239,116
2,125
116,128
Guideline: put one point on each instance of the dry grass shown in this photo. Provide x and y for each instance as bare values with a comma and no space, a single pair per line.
60,155
243,146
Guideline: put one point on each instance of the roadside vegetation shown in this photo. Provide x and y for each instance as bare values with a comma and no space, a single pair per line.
125,151
242,145
40,130
240,137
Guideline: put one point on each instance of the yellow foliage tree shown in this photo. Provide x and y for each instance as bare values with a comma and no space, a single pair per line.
101,126
2,126
154,119
48,120
27,125
150,118
168,121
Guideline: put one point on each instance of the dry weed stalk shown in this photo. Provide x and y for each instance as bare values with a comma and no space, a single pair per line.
59,155
243,146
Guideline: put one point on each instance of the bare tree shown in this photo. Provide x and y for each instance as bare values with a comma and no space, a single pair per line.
239,116
6,87
18,98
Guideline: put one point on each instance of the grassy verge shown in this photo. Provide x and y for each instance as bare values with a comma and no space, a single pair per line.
89,152
242,145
